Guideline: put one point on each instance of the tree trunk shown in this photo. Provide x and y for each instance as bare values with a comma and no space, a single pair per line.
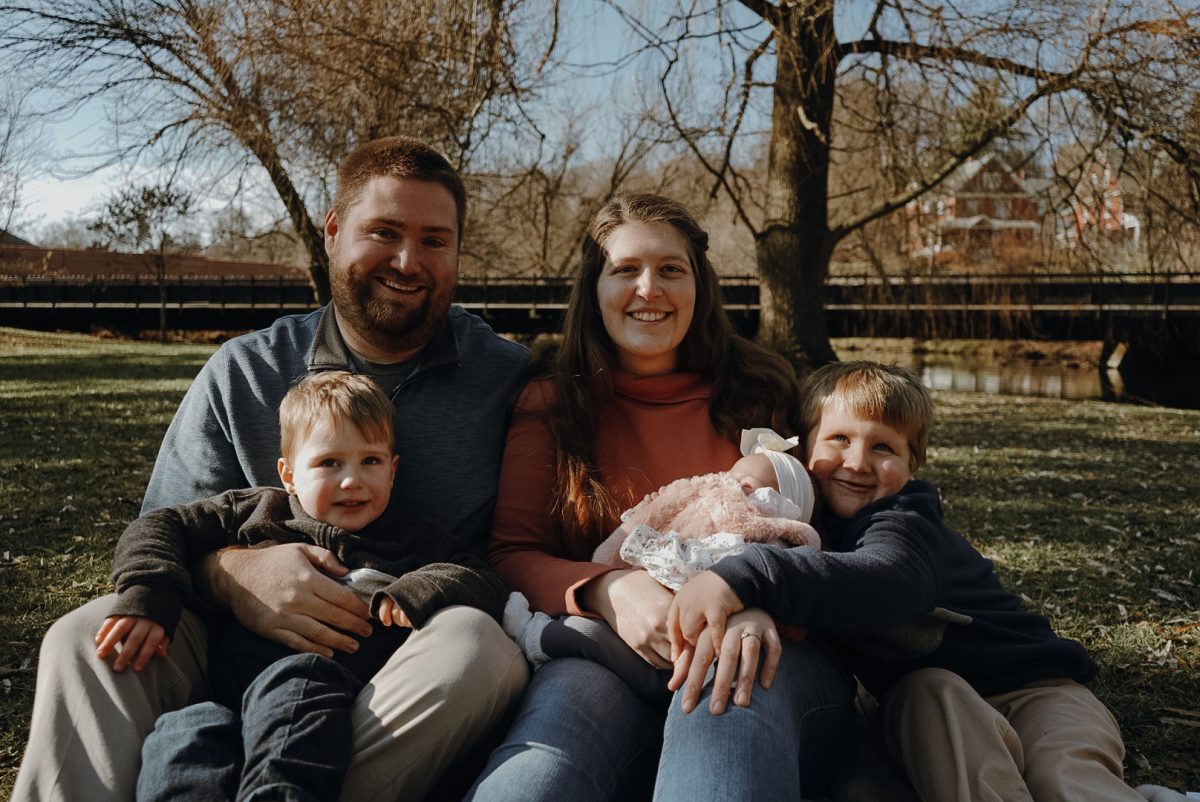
312,235
794,245
263,148
246,120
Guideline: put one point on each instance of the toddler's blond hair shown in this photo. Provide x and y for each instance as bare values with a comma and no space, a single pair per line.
337,396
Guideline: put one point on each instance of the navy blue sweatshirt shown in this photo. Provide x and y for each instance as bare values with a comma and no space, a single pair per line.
899,590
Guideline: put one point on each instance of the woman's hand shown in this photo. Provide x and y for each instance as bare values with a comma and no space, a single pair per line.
751,635
635,605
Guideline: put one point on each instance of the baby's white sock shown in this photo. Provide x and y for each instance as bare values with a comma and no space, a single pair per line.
526,628
516,615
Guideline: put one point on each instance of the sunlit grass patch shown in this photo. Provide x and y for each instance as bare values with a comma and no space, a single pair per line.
82,418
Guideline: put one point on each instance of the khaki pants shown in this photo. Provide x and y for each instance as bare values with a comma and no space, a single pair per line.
438,693
1051,740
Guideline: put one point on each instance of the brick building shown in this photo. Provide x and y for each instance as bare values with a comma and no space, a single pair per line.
982,213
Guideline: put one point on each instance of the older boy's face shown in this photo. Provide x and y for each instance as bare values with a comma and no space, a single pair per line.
856,461
340,477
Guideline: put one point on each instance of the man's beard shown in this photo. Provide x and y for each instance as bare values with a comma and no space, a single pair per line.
387,326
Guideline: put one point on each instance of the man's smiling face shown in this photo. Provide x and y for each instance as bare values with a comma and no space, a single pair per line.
393,265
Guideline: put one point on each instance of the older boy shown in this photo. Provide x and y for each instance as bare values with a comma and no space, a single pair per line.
337,471
980,699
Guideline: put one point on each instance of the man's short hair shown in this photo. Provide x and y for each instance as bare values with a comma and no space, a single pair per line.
339,397
888,394
398,157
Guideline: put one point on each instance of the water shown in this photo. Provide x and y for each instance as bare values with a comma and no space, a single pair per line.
1010,372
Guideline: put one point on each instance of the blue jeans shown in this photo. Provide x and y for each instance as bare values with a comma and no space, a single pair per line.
582,735
790,741
292,741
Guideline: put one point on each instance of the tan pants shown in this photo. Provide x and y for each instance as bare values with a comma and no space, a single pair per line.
444,688
1051,740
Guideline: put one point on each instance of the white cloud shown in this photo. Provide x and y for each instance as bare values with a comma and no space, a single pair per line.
48,199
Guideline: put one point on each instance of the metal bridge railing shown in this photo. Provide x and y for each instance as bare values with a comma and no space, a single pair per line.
1174,293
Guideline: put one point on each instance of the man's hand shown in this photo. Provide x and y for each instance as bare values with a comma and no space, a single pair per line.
277,592
635,606
703,603
751,635
141,640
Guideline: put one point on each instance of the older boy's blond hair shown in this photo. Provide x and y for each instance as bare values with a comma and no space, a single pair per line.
336,396
888,394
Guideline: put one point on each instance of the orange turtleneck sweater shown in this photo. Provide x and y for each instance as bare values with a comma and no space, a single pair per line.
654,430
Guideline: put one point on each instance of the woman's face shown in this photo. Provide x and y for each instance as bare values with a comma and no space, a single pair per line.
647,294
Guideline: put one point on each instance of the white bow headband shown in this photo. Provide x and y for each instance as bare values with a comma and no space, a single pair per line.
794,482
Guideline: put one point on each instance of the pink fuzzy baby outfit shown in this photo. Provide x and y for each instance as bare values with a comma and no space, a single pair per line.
691,524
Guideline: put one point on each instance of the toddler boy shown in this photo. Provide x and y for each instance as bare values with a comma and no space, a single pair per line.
980,699
294,730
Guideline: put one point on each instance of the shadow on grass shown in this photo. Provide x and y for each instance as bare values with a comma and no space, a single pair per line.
1091,512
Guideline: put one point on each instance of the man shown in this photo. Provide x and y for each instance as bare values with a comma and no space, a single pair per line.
393,238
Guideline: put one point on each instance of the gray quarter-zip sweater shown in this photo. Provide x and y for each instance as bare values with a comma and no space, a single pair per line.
451,418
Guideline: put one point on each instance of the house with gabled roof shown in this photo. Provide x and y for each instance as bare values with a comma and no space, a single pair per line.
982,212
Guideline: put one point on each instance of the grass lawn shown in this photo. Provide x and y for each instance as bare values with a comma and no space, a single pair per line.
1091,512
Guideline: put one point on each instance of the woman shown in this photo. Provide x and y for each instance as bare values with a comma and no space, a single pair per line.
650,384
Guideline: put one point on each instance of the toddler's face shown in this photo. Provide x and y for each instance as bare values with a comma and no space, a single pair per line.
340,477
856,461
753,472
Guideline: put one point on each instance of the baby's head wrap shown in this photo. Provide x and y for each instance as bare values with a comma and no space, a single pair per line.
794,482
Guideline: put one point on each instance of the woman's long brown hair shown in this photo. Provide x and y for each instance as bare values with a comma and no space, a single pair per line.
750,385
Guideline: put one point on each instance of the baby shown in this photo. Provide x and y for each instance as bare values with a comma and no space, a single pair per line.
689,525
674,534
